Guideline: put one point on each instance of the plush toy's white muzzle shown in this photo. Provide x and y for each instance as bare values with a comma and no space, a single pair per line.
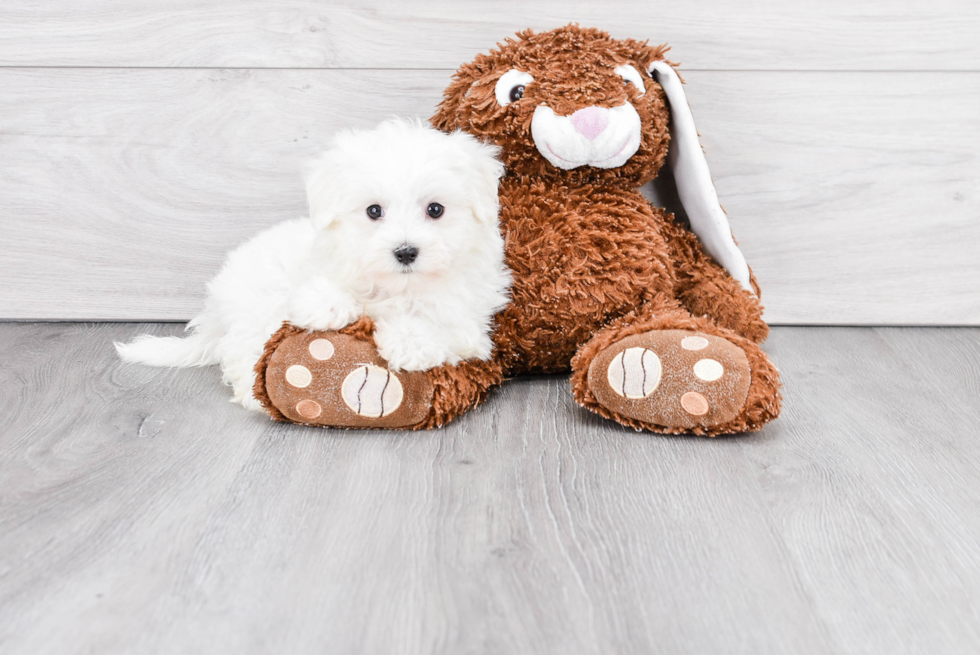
607,137
592,136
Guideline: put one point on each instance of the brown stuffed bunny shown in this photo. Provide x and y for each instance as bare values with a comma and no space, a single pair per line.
657,333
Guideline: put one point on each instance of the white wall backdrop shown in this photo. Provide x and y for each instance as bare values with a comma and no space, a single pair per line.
140,141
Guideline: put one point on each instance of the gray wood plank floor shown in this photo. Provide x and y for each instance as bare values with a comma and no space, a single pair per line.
142,513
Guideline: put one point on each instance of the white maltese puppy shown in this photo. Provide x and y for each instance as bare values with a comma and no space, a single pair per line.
403,228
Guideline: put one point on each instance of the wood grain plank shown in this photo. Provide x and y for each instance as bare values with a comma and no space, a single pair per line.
854,196
140,511
127,187
74,495
874,482
718,34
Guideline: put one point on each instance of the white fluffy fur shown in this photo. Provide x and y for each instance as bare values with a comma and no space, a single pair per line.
323,272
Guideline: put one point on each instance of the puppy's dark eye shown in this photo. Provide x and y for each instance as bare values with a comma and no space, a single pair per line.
435,210
517,93
375,212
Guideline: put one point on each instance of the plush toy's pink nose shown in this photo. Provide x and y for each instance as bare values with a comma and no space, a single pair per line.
591,121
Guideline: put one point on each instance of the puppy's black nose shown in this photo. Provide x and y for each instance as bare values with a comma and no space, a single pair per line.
406,254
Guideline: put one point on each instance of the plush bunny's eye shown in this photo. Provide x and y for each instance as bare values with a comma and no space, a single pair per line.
510,86
631,76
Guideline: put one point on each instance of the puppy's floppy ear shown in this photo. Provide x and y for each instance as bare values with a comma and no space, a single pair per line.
694,186
324,187
483,172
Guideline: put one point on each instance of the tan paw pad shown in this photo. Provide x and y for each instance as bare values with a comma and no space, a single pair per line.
333,379
672,378
694,343
695,404
634,373
299,376
321,349
372,391
709,370
308,409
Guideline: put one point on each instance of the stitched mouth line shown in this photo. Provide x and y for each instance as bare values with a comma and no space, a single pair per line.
618,152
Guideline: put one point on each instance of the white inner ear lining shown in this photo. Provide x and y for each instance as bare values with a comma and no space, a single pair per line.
630,74
694,186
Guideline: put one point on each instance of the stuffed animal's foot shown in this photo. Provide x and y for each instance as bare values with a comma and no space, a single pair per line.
337,380
672,380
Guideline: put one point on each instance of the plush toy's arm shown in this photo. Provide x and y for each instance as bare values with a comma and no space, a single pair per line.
694,186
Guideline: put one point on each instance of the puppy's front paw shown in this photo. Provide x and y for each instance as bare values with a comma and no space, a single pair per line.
409,357
321,306
322,318
404,353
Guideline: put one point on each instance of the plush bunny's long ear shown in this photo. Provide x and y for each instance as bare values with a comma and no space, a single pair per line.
694,186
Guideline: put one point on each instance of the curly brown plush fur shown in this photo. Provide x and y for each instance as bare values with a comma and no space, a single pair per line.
593,261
